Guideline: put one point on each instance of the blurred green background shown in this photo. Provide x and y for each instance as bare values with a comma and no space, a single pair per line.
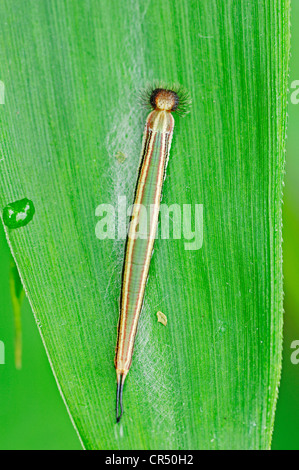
32,414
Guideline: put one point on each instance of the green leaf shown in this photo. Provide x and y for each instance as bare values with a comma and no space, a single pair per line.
72,71
17,296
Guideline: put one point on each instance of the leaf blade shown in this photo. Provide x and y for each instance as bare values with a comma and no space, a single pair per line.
69,109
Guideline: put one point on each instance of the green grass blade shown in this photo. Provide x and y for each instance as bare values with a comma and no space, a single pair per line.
71,72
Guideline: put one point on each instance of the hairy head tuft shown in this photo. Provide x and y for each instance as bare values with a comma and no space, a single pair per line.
161,97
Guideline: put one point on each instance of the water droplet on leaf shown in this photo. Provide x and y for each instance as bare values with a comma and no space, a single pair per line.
19,213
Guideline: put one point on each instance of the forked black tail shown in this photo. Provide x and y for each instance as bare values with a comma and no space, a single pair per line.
119,397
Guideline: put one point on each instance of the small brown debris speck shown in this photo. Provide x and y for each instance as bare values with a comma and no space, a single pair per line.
162,318
120,157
